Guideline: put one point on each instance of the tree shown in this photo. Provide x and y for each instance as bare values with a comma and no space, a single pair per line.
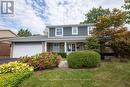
127,9
24,33
92,43
94,14
110,31
121,44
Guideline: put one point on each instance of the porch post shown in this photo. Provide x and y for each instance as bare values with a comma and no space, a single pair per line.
75,46
11,49
65,47
45,46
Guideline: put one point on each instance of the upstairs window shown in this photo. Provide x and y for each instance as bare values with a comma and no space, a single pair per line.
90,29
74,30
59,32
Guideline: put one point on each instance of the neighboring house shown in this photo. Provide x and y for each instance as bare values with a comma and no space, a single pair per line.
5,35
59,38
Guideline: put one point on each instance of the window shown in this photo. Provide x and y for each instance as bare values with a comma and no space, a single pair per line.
90,29
56,47
59,32
74,30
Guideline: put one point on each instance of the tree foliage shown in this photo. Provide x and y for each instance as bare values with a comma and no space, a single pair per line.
94,14
127,9
110,31
24,33
92,43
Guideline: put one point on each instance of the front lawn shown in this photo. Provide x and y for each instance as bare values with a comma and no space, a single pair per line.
109,74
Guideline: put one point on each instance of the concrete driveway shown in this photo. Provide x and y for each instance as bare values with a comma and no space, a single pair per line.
6,60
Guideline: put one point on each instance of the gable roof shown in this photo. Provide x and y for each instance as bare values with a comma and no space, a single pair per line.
5,35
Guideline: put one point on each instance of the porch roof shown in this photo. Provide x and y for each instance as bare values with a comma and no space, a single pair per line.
45,38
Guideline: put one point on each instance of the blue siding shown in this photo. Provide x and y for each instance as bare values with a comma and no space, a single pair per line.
52,32
67,31
82,31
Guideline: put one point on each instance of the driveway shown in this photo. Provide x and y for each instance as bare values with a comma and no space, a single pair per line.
6,60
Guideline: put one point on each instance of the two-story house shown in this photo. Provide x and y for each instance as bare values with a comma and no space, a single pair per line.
59,38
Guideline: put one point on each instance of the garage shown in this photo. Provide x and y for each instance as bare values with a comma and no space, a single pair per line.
26,49
4,49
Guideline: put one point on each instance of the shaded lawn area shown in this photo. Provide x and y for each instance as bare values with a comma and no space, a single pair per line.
109,74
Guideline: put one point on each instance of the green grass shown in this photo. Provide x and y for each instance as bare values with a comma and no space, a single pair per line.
109,74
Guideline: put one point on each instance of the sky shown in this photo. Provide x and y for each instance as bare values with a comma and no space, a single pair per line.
36,14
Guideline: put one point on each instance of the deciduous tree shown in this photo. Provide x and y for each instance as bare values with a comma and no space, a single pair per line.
127,9
111,31
24,33
94,14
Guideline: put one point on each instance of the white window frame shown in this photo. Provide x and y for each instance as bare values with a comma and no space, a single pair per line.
74,33
90,28
56,31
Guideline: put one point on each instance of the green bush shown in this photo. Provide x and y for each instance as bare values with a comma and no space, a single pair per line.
92,43
62,54
42,61
13,79
11,74
14,67
83,59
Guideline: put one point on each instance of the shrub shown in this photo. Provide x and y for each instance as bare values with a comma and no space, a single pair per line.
48,59
13,73
13,79
92,43
14,67
62,54
83,59
42,61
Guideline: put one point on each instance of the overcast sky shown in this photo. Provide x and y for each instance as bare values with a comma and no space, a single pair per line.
36,14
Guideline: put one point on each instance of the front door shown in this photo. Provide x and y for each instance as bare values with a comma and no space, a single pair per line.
71,47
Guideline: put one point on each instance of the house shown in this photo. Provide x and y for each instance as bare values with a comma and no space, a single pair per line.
59,38
5,35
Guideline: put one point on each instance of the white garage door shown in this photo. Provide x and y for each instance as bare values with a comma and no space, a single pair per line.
23,49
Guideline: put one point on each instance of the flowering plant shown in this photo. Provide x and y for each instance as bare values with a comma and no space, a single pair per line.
42,61
14,67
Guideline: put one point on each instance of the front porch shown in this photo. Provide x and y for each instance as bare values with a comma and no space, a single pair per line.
66,47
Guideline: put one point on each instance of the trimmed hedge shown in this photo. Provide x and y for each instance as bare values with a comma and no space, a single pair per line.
62,54
82,59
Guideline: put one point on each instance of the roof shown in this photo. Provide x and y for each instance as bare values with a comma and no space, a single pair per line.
45,38
90,24
9,31
6,34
